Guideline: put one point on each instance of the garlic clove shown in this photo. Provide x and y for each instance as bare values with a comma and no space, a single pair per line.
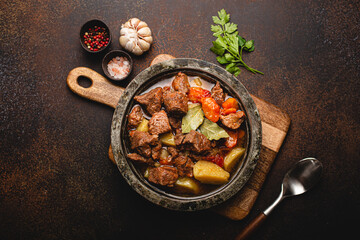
130,45
137,50
143,45
123,40
148,39
142,25
126,25
128,31
134,22
144,31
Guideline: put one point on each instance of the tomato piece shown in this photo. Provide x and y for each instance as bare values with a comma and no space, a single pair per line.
230,103
226,111
166,161
217,159
197,93
211,109
233,139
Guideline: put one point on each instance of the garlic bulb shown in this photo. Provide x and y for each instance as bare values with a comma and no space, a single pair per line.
135,36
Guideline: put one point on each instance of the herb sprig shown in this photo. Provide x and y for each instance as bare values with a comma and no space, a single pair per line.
229,45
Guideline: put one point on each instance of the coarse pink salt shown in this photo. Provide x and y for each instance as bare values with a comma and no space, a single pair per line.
118,67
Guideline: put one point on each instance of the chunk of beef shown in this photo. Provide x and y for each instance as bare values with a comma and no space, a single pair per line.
138,158
175,122
159,123
179,138
155,151
178,131
141,141
151,100
233,120
176,103
213,143
181,83
193,141
144,151
173,151
163,175
217,93
135,117
198,141
184,166
196,157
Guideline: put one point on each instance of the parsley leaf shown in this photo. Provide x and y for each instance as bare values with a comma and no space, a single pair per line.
229,45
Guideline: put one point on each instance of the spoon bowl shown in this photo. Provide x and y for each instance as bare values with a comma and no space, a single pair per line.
301,177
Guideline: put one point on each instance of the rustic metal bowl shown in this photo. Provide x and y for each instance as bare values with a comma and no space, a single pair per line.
120,144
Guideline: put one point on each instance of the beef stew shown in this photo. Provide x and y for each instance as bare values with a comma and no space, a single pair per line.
186,135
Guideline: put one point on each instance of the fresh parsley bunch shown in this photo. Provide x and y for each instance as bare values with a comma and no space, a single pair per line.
229,45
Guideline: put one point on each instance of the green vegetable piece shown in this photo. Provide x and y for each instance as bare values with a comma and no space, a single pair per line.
217,30
228,57
193,119
223,16
249,46
217,50
217,20
219,46
212,131
230,27
242,41
221,59
232,68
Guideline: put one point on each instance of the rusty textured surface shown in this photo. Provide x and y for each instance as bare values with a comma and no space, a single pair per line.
56,179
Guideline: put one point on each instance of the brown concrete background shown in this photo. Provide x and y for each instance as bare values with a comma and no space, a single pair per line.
56,181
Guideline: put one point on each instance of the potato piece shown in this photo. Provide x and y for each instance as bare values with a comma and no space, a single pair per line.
208,172
164,154
146,173
233,157
198,82
143,126
168,139
187,185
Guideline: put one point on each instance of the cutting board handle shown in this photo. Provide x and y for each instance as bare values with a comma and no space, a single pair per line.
101,90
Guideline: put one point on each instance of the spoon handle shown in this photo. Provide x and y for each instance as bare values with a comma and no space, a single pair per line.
251,227
256,222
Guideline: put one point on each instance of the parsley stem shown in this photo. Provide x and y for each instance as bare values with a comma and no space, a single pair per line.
243,64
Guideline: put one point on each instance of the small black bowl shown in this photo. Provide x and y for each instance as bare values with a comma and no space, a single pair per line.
112,54
91,24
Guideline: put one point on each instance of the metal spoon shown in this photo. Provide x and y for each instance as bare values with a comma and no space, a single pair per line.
300,178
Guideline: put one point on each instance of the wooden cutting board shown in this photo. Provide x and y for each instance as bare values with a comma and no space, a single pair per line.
275,124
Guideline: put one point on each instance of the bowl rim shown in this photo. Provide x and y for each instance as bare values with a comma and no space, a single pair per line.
81,37
105,62
169,200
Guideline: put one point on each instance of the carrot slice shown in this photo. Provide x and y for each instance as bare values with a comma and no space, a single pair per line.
211,109
226,111
230,103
